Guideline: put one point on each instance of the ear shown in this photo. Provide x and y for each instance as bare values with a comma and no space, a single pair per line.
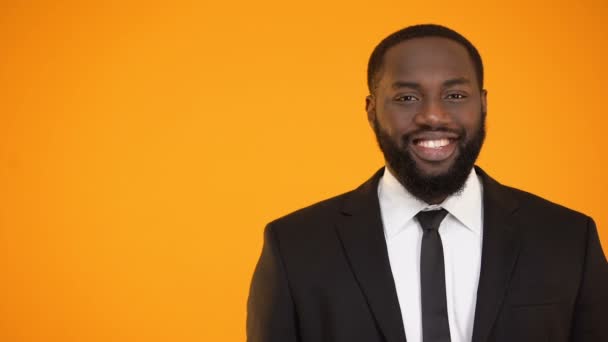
370,108
484,100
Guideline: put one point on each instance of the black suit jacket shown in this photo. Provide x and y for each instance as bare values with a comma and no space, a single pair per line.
324,273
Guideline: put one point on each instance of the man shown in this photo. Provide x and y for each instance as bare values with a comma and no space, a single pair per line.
430,248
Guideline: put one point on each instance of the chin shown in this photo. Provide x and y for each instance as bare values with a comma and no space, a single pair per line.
429,169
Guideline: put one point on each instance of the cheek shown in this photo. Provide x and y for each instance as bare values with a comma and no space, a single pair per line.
472,124
394,126
469,116
395,120
471,120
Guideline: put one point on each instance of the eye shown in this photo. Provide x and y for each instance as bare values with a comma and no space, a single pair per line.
406,98
456,96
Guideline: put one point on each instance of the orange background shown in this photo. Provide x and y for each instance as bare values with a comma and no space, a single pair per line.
143,146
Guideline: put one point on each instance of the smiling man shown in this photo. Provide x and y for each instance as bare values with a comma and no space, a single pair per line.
427,108
430,248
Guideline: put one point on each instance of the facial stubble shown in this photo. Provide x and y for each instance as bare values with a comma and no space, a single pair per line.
429,188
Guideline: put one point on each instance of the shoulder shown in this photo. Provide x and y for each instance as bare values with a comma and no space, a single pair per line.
308,235
528,205
546,229
534,216
542,221
329,210
323,215
318,214
534,206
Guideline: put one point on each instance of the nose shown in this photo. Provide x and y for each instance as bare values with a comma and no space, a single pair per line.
432,114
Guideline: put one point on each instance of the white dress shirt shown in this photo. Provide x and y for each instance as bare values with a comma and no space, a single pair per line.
461,237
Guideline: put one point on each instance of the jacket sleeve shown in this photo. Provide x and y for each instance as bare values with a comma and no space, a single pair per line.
590,320
270,310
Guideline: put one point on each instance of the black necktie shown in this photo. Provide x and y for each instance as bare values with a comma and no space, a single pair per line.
435,325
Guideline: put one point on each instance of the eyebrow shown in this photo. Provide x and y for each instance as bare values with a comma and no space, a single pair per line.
418,86
456,81
403,84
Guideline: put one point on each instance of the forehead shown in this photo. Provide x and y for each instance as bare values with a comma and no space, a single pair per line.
427,58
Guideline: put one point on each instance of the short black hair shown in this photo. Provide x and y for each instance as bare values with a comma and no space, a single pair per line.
376,60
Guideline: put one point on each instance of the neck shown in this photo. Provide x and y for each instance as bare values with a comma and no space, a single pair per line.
437,200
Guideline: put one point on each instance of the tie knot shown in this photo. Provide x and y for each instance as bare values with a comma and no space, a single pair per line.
431,219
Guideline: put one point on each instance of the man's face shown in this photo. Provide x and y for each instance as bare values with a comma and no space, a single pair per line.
428,114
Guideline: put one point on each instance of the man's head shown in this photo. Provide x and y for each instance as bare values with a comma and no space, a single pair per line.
427,107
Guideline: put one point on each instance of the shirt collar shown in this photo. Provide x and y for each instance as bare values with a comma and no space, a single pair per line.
399,206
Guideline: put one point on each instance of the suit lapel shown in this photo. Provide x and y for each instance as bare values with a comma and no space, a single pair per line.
360,230
500,249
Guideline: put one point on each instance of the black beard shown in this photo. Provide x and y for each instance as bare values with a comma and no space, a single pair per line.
430,188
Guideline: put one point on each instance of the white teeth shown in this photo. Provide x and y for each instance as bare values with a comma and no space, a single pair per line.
434,143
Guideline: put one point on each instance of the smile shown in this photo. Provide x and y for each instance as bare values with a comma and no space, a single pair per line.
434,149
433,143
